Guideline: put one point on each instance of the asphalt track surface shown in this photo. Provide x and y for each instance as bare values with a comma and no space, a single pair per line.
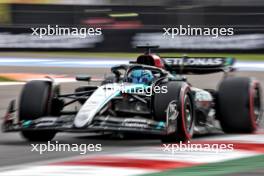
15,151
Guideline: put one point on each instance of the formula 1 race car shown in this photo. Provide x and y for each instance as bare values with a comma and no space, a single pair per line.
150,96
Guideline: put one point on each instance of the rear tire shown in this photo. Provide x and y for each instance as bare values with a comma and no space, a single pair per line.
35,102
179,93
239,105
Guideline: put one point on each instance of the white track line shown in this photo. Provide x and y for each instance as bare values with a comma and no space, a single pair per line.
100,63
249,66
11,83
74,171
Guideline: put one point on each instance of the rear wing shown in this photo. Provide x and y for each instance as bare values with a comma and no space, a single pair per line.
198,65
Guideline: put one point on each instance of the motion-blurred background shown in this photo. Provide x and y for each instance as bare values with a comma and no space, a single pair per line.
127,23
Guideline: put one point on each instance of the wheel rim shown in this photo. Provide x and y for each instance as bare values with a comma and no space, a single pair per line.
188,113
257,104
172,112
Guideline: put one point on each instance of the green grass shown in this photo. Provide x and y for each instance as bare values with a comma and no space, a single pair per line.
246,56
221,168
4,79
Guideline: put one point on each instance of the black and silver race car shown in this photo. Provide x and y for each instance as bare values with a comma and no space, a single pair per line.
150,96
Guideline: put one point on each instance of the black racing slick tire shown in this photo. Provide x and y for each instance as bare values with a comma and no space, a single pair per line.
178,93
35,102
239,105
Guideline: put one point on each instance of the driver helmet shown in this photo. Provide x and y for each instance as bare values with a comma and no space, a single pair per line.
141,76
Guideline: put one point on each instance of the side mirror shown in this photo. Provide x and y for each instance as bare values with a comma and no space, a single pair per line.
83,78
